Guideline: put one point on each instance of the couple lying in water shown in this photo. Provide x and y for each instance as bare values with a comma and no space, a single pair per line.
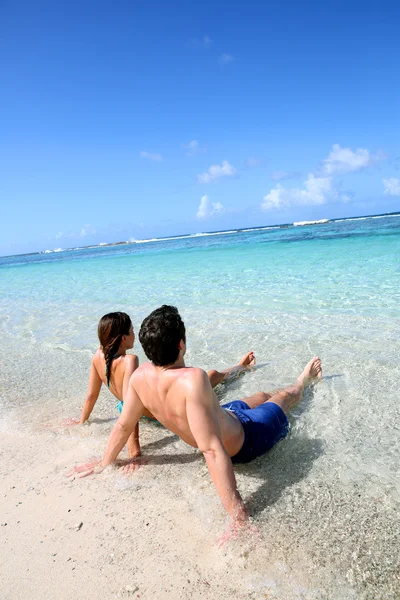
183,400
112,366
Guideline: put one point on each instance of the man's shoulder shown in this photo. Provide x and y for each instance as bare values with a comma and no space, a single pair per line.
142,370
194,376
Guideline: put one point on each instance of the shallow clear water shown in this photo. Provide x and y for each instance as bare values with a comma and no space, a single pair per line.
327,497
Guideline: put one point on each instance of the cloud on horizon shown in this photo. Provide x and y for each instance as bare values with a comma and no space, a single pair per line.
208,209
316,191
391,186
344,160
87,230
215,172
319,189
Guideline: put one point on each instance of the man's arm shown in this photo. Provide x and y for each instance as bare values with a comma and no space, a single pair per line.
132,363
92,395
200,411
131,413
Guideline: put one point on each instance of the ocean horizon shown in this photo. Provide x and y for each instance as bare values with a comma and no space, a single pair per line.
208,233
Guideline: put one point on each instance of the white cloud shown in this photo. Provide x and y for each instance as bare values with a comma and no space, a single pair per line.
207,209
225,59
87,230
59,235
316,191
193,147
150,156
392,186
216,171
344,160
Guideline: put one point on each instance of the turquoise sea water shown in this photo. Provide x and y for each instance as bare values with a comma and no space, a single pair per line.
286,293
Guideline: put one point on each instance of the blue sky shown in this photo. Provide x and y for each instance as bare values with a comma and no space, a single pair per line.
139,118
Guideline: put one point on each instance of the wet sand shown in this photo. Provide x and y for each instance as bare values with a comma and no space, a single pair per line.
154,535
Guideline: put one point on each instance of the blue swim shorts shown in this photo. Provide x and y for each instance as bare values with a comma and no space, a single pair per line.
263,427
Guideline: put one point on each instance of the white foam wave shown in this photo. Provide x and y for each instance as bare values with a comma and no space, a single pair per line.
367,218
302,223
262,228
182,237
214,233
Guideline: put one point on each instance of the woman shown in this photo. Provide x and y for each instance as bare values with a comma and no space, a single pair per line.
112,366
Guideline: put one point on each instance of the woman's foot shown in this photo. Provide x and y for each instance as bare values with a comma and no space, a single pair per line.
248,361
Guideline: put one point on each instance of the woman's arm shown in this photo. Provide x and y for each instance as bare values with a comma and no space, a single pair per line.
92,395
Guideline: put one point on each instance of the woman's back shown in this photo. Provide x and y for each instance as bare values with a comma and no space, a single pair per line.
119,367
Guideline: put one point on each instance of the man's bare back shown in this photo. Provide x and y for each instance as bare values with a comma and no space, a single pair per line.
164,392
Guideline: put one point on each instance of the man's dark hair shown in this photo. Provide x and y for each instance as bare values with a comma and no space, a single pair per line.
160,335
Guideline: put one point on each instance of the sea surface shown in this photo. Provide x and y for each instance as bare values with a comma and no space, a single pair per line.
327,498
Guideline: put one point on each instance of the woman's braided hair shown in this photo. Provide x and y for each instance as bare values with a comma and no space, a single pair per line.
110,330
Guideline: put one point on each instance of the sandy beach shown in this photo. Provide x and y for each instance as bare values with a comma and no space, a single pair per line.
154,535
98,537
108,536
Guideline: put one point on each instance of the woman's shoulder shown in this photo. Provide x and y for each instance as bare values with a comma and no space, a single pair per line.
98,355
131,360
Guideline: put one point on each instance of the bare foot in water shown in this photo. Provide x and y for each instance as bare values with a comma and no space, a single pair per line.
248,361
312,371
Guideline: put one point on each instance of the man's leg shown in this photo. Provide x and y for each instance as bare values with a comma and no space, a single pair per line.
245,363
288,397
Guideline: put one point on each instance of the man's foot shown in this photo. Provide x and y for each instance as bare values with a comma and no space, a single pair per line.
248,361
312,371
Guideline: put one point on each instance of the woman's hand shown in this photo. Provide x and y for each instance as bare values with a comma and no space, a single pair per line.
70,422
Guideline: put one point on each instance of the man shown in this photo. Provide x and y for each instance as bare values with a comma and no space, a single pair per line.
182,399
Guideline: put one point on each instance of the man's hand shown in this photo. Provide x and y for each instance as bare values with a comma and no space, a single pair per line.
237,529
93,467
131,465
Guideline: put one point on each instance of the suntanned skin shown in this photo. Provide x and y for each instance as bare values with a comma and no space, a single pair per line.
121,371
182,399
